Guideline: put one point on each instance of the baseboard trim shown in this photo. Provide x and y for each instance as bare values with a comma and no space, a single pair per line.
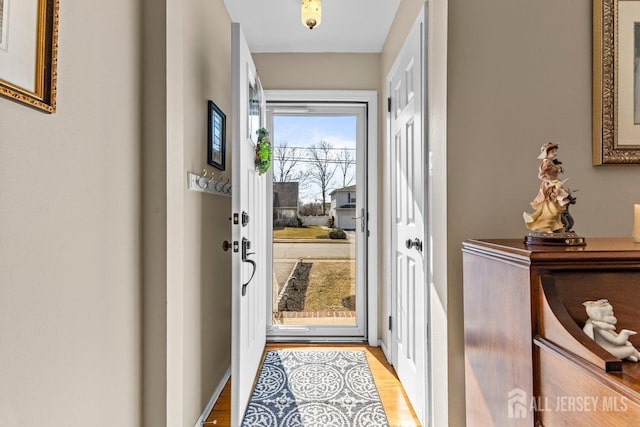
214,398
385,351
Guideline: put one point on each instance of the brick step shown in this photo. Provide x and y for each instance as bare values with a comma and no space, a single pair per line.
312,314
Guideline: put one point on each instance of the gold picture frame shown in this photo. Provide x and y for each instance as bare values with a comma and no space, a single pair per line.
31,81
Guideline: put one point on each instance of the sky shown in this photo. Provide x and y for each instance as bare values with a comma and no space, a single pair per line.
305,131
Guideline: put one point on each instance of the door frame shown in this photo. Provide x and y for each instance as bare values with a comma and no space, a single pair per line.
370,98
319,332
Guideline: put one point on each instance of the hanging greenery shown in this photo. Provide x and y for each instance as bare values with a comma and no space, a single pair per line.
263,151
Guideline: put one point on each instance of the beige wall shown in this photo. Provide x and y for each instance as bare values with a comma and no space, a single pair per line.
318,71
70,305
517,79
80,274
207,268
187,301
154,215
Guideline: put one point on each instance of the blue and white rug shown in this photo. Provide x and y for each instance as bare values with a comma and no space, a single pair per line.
313,389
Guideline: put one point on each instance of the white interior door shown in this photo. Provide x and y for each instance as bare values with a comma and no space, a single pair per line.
410,305
249,229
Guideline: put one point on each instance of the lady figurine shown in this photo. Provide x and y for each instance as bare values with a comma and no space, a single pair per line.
552,199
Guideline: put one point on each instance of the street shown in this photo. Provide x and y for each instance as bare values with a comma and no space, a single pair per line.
314,250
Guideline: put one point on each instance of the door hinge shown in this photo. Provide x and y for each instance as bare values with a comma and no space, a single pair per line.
389,104
390,323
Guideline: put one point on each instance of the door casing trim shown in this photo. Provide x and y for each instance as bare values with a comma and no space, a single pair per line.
370,97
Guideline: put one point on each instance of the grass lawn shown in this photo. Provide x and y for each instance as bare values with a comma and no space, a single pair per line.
310,232
329,284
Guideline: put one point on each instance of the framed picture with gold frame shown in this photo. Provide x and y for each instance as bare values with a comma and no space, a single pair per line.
28,52
616,82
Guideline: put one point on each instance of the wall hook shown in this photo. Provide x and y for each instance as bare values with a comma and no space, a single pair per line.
209,184
226,187
219,185
203,182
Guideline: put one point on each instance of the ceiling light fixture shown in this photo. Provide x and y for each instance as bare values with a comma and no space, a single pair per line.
311,13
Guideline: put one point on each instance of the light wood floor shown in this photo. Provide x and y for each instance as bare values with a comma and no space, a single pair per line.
394,400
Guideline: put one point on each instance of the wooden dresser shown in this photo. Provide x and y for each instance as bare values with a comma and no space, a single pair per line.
527,361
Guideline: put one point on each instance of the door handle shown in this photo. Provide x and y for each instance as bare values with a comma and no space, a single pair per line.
362,218
246,245
415,243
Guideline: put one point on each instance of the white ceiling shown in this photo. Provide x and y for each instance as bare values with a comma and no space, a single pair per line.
347,25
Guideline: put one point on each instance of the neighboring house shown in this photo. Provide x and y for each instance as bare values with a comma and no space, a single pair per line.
343,207
285,203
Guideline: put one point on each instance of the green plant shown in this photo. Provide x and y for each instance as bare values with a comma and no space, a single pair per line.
263,151
337,234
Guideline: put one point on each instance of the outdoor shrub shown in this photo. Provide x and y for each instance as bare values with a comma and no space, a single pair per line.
337,234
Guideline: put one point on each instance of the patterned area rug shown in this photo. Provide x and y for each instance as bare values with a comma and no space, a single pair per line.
313,389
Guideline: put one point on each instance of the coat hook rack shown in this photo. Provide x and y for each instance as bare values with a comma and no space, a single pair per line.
204,184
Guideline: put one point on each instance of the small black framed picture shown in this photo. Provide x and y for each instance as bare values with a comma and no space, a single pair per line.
216,140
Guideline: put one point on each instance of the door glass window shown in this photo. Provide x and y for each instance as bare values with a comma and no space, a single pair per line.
317,288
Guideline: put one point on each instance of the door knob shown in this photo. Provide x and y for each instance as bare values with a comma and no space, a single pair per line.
415,243
226,245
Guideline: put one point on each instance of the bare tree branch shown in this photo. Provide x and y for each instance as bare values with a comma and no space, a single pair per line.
285,164
345,161
323,167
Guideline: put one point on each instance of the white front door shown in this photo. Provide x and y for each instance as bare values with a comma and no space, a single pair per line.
249,229
407,136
